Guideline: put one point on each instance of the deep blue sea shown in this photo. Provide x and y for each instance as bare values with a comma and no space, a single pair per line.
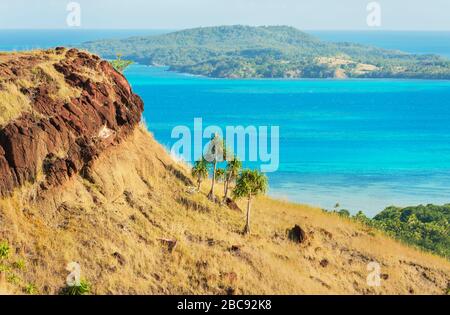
365,144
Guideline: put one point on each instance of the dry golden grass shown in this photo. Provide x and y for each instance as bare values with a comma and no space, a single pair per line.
111,224
12,102
343,60
47,72
37,71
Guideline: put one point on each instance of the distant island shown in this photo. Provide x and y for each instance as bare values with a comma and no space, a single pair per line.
269,52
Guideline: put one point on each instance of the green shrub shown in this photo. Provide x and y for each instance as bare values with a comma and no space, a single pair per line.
83,288
361,217
4,250
4,268
120,64
13,279
19,264
344,213
30,289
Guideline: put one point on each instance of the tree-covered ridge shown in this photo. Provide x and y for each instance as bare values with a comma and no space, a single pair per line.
427,227
269,52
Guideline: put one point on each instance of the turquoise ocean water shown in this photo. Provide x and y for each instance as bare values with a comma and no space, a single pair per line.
366,144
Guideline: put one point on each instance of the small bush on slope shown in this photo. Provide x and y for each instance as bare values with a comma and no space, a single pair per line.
4,250
83,288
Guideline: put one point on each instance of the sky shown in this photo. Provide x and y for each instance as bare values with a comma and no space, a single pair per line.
178,14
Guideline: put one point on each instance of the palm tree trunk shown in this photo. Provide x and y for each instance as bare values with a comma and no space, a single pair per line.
224,188
211,193
227,184
199,182
247,224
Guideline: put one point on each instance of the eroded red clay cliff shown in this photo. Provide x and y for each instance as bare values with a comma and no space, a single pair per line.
59,137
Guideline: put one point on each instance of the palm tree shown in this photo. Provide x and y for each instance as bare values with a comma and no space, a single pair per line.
250,183
214,154
336,207
232,171
200,171
220,175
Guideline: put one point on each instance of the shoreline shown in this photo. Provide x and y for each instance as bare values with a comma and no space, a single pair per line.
200,76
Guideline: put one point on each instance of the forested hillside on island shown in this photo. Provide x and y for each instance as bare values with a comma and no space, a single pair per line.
269,52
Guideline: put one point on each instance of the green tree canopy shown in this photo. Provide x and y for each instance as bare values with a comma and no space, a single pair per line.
200,171
249,184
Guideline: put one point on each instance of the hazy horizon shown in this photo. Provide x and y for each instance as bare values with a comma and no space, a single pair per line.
348,15
181,29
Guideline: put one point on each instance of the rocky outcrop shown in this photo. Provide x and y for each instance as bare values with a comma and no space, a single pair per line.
79,106
296,234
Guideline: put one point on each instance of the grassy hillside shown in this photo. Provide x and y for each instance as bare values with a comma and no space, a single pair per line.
112,219
269,52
